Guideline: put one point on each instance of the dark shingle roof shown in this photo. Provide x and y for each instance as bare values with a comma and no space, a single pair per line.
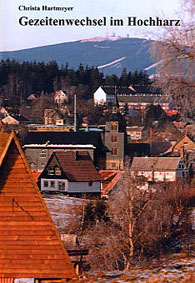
77,166
60,138
134,89
117,90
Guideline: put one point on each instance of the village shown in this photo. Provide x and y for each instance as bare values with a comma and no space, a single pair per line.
97,143
60,165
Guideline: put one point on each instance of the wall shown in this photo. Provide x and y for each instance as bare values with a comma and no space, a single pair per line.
114,141
71,187
99,96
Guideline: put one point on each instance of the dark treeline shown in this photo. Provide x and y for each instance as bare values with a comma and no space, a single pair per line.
19,80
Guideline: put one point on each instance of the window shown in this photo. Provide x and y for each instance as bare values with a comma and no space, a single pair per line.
90,183
113,165
61,186
114,151
114,139
57,171
52,184
45,184
42,154
50,171
114,126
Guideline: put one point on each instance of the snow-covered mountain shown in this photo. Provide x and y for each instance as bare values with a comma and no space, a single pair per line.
109,54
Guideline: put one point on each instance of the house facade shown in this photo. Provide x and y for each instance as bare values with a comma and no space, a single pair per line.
134,133
159,169
141,102
105,95
70,173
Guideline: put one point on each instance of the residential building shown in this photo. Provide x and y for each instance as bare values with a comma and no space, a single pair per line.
185,143
39,147
159,169
105,95
60,98
31,248
71,173
134,133
113,95
141,102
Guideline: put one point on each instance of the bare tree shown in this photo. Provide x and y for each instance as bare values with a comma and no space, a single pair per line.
176,54
139,223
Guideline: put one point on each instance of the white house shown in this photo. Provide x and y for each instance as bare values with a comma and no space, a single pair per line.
105,95
159,169
70,173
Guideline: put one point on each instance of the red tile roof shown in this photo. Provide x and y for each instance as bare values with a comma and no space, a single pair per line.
30,246
110,179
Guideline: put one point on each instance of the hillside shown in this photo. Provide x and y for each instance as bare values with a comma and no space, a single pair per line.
110,56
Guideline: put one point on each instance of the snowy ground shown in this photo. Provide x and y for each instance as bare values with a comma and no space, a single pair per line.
64,210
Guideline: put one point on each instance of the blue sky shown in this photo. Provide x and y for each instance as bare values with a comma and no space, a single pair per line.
14,36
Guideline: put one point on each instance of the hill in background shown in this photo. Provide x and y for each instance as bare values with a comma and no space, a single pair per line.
110,55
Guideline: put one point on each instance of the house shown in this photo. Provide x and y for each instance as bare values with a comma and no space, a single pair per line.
107,95
134,133
184,143
60,98
57,116
39,146
30,247
72,173
111,94
51,116
159,169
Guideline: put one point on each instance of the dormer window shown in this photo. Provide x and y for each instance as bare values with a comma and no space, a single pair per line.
58,171
50,171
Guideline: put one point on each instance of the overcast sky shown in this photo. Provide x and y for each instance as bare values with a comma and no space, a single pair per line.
14,36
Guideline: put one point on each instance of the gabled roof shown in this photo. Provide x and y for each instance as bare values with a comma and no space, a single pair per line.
30,246
117,90
78,167
155,163
185,142
110,180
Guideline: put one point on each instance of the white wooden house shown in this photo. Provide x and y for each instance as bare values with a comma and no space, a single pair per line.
70,173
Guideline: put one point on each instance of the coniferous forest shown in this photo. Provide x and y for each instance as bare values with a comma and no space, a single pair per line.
19,80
